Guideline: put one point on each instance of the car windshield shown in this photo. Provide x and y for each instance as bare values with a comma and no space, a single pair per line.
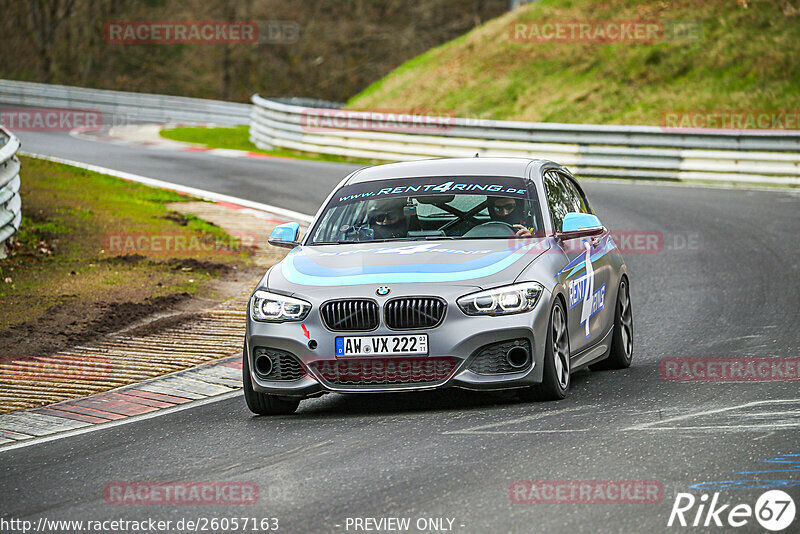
462,207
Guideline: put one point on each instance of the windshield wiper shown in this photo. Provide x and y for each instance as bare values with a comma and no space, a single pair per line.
421,238
353,242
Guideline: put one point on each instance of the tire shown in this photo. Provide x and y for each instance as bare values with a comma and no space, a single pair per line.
556,373
620,354
262,403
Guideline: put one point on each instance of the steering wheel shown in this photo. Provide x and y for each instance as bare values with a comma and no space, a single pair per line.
491,229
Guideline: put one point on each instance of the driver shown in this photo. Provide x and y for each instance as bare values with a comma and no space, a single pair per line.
387,220
509,211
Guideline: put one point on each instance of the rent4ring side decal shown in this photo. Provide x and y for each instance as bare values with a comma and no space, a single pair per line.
581,289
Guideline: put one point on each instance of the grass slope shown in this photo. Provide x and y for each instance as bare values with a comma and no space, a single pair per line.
745,59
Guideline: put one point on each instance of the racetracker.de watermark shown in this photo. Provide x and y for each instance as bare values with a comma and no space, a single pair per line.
58,368
604,31
236,523
177,243
327,120
626,241
742,369
167,32
585,492
353,369
741,120
50,119
180,493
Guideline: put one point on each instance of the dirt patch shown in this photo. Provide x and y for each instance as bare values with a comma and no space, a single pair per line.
128,259
192,264
177,264
178,218
74,321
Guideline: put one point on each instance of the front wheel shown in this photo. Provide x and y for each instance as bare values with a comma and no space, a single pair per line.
557,369
621,352
262,403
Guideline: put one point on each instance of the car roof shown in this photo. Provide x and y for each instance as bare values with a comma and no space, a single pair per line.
450,167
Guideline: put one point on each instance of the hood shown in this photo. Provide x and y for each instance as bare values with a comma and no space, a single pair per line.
477,263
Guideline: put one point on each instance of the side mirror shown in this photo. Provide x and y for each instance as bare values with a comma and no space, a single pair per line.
577,225
285,235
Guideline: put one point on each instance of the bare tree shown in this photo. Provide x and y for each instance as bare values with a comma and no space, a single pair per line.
43,21
343,45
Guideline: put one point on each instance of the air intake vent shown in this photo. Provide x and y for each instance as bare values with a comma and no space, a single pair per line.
350,315
494,359
278,364
409,313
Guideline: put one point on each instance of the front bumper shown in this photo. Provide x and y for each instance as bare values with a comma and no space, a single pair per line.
458,336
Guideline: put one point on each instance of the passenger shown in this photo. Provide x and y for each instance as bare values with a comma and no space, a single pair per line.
511,212
387,220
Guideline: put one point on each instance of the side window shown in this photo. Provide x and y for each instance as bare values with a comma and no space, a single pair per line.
577,201
558,198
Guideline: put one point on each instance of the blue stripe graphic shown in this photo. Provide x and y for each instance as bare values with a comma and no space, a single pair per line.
304,271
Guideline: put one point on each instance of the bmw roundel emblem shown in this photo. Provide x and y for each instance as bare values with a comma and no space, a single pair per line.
383,291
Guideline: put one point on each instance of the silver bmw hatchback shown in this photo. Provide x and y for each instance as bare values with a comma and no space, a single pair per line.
477,273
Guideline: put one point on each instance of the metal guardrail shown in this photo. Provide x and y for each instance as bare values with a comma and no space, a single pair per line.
10,201
648,152
123,107
589,150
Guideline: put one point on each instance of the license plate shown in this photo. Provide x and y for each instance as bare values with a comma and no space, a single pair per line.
381,345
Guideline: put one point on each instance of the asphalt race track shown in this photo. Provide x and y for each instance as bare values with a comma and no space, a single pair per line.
723,284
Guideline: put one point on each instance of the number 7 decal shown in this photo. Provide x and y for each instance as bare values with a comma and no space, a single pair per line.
586,309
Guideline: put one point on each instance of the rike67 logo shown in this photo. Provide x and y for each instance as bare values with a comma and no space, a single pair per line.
773,510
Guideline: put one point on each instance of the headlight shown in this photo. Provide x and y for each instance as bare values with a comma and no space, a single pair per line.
506,300
266,306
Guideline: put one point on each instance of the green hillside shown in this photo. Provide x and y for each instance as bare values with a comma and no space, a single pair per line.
733,55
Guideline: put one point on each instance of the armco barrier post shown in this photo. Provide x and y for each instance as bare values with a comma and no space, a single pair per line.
10,201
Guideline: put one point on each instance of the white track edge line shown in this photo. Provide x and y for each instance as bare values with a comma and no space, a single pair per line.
201,193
